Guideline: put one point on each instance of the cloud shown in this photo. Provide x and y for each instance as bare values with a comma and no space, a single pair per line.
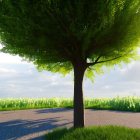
107,87
3,70
23,80
10,59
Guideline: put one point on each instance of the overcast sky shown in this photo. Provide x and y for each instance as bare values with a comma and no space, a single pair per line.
21,79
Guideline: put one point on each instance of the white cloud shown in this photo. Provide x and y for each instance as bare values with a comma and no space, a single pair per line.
7,70
70,83
43,77
10,59
107,87
1,46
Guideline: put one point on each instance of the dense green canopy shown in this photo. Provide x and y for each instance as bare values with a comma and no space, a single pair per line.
53,33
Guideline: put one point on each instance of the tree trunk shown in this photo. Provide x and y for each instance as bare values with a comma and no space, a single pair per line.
78,96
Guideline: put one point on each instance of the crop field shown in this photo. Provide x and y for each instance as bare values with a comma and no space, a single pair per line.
129,103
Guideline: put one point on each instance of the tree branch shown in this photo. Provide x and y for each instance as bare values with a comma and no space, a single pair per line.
89,64
96,62
98,58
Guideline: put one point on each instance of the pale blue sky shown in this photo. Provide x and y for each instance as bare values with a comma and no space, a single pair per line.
21,79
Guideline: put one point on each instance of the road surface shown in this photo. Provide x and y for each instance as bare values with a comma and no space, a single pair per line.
34,123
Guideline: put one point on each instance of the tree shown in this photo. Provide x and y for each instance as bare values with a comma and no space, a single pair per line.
65,35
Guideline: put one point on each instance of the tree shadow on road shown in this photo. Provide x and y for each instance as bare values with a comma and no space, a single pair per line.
16,129
53,110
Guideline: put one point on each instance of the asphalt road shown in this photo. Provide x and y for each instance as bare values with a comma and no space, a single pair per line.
34,123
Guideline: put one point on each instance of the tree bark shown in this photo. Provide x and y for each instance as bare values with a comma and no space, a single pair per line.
78,95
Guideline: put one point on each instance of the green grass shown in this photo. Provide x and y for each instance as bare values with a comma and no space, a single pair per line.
130,103
94,133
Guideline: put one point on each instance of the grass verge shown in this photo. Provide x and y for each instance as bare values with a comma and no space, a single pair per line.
94,133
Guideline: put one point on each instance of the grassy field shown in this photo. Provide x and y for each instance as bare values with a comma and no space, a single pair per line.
130,103
94,133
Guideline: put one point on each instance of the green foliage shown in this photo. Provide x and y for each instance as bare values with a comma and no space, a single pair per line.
57,133
125,103
130,103
95,133
54,33
28,103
